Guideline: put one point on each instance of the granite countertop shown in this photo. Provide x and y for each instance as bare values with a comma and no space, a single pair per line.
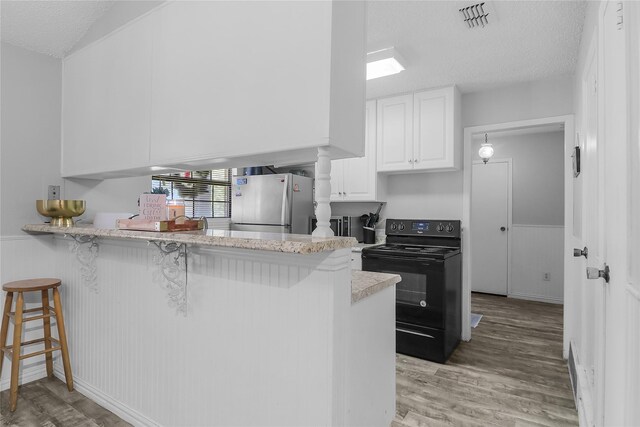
277,242
366,283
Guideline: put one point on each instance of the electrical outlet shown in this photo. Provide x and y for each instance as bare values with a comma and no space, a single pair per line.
546,277
54,192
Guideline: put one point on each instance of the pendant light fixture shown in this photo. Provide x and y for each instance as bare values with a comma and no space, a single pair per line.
486,150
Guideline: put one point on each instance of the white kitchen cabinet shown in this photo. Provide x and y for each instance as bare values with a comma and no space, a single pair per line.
107,103
217,84
357,179
420,132
395,133
259,82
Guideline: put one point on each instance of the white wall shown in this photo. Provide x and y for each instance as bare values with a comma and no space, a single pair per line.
522,101
538,175
30,135
29,161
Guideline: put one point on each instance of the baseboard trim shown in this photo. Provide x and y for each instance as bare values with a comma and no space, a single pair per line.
26,375
128,414
537,298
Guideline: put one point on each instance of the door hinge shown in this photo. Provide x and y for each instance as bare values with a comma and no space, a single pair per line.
595,85
620,15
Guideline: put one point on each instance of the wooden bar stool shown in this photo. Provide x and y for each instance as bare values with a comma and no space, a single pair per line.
13,351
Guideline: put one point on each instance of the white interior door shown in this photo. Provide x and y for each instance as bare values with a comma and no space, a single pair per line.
490,190
589,295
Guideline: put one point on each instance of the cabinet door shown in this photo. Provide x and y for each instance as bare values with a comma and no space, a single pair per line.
360,174
394,136
107,103
433,129
225,83
337,179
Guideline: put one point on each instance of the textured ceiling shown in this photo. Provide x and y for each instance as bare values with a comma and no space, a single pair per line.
524,41
49,27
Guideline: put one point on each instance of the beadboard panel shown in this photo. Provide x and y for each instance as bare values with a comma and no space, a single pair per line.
25,257
537,249
255,323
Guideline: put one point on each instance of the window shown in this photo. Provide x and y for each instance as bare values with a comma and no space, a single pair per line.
204,193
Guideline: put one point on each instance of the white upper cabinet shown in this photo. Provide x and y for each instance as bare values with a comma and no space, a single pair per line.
395,133
420,132
218,84
356,179
107,104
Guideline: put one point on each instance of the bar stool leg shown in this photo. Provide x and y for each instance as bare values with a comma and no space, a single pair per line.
8,299
47,331
62,335
15,359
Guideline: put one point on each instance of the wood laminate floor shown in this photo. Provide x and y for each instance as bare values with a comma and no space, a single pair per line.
48,403
511,373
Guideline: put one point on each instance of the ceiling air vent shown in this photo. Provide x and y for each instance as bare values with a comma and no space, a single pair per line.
475,15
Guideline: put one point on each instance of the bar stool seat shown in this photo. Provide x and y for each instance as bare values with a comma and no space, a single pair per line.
33,285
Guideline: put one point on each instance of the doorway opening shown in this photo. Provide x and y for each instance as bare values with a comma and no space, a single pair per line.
517,211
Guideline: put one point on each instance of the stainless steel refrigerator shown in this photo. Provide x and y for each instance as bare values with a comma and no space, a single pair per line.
279,203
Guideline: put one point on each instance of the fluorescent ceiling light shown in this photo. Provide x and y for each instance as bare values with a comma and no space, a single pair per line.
384,62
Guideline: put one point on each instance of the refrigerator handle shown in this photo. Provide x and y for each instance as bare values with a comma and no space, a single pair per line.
285,197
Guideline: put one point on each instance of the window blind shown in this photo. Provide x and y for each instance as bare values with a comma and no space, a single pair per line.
204,193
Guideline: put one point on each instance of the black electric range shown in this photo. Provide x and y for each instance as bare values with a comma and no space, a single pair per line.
426,254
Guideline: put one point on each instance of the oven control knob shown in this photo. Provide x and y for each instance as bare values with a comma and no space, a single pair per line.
394,226
401,227
440,228
450,228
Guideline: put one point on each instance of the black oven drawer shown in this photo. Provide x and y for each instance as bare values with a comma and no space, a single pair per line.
422,342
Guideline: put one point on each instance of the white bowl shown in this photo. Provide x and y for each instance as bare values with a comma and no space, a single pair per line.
109,219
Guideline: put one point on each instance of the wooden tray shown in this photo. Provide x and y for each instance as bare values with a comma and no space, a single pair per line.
169,225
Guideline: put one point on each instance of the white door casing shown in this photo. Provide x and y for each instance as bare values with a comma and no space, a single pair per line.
491,222
632,19
613,102
468,157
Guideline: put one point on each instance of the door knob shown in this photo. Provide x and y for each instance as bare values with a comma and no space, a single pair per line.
581,252
594,273
503,229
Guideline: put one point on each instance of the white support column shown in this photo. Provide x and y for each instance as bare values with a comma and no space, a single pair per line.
323,194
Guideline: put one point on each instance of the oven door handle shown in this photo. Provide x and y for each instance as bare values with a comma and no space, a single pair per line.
399,258
415,333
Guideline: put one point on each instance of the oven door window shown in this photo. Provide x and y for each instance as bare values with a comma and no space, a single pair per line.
412,289
420,293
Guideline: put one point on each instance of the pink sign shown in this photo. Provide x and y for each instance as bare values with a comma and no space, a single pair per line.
153,207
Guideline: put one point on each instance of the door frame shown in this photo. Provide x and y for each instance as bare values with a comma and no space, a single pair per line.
509,163
569,136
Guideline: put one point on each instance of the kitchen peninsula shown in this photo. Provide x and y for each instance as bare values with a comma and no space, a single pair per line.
226,327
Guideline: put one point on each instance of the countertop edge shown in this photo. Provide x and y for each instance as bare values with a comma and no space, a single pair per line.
250,241
367,283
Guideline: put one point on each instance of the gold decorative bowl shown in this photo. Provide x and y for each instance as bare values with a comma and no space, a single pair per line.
61,211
